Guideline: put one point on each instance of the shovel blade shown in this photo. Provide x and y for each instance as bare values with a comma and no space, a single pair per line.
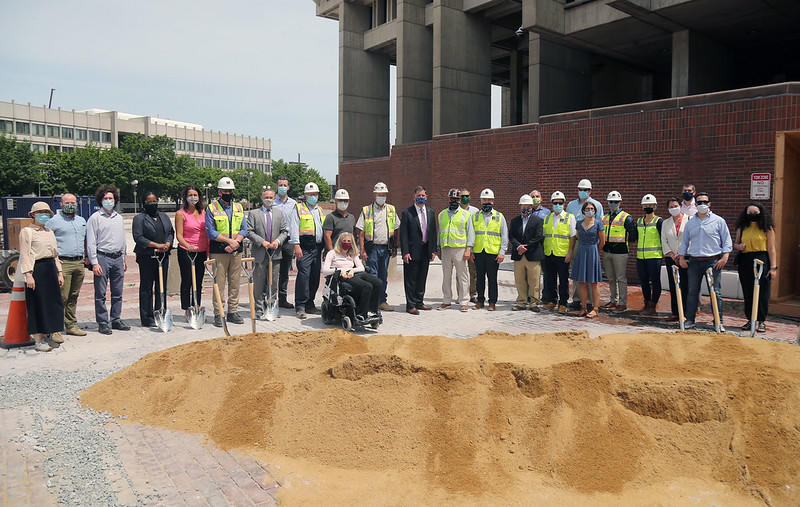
197,317
158,318
166,321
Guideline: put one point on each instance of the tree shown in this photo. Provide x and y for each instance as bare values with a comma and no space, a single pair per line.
298,177
19,169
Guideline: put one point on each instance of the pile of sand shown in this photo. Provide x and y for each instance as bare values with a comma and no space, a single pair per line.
645,418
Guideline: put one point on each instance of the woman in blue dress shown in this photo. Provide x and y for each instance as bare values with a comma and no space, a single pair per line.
586,268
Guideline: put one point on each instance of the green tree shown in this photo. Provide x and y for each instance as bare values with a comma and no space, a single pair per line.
19,170
298,176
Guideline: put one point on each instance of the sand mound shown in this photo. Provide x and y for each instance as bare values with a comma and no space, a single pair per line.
680,418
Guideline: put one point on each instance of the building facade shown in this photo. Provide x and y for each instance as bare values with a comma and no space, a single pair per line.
59,130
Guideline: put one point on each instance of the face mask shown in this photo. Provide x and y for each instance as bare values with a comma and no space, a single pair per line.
702,208
464,199
487,207
687,196
583,194
558,208
42,218
312,199
283,190
268,202
70,208
674,211
226,196
453,204
341,206
525,212
648,210
346,245
588,213
151,208
192,200
380,200
421,200
108,204
753,217
613,205
537,201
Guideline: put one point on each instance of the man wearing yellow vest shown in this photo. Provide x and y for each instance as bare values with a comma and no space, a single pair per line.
620,229
489,242
469,208
455,225
559,239
648,254
308,246
377,233
226,228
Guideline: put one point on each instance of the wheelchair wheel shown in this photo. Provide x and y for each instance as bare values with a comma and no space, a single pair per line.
347,324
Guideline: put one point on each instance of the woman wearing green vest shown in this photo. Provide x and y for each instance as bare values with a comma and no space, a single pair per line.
648,254
586,269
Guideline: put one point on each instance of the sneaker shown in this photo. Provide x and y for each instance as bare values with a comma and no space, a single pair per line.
386,307
104,328
120,325
217,321
57,338
473,299
42,347
722,329
75,331
761,327
549,306
689,325
563,309
234,318
300,314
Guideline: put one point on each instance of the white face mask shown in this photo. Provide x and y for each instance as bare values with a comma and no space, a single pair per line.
341,205
702,209
380,200
674,211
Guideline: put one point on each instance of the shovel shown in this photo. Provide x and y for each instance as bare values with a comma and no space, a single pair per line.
197,313
211,269
758,269
271,303
678,296
247,267
713,295
163,316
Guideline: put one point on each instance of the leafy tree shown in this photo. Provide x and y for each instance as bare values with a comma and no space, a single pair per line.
19,169
298,177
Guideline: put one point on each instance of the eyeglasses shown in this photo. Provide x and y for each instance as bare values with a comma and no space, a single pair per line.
701,202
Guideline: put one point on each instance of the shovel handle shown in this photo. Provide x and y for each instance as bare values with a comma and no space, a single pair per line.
248,259
209,261
678,296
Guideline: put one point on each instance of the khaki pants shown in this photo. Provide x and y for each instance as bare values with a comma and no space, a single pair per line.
454,258
615,265
527,276
229,269
73,280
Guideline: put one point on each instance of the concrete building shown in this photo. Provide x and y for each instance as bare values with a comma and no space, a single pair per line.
550,56
59,130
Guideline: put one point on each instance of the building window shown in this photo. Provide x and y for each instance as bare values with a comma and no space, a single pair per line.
189,146
38,129
246,152
23,128
6,127
67,133
224,150
199,147
53,131
260,154
67,149
267,154
216,149
180,145
207,148
238,152
106,137
94,136
216,164
37,148
52,148
238,165
224,164
81,134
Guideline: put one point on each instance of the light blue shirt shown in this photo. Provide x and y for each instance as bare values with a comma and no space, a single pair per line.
105,233
294,234
211,225
574,208
706,237
541,212
287,208
70,234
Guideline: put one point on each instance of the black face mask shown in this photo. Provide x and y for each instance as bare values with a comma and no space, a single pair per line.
754,217
226,196
687,196
151,208
648,210
453,204
487,207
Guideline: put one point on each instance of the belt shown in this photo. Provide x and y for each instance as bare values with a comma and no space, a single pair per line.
76,258
712,258
110,255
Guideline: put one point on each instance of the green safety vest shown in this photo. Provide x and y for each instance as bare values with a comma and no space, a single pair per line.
369,220
615,229
487,237
453,231
307,227
230,226
649,245
557,242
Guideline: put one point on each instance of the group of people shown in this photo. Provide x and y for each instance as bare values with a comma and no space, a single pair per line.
572,240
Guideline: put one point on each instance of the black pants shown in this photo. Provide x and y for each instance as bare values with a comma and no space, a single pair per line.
649,271
185,263
415,274
308,270
556,275
747,279
366,290
684,285
286,264
486,267
148,279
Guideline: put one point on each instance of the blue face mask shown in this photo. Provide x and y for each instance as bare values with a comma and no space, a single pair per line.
312,199
558,208
108,204
42,218
283,190
583,195
421,200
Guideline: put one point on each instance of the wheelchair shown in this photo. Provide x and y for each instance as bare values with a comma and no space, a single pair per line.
339,307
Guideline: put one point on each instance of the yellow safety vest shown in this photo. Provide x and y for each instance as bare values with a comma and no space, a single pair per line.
487,237
615,229
557,242
453,231
230,226
369,220
307,226
649,245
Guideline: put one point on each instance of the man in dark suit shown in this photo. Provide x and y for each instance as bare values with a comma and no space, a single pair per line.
268,230
526,234
418,244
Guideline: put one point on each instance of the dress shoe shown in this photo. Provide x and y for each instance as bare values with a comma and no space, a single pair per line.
478,305
423,307
285,304
620,309
575,305
217,321
517,308
464,308
549,306
57,338
491,307
313,310
413,311
609,306
234,318
672,318
148,323
120,325
535,308
75,331
300,314
104,328
649,309
562,309
386,307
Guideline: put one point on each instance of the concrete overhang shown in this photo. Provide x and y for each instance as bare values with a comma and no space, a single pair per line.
328,8
381,36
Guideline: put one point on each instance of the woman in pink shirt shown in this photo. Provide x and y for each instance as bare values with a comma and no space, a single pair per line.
366,289
190,230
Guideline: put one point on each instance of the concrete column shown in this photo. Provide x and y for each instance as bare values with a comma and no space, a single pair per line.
515,90
363,89
680,63
414,73
699,64
462,98
559,78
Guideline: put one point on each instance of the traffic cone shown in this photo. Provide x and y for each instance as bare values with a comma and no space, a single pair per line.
16,334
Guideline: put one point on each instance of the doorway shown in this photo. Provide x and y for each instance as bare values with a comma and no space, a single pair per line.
785,294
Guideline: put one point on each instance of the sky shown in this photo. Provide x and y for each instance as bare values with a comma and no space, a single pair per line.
264,68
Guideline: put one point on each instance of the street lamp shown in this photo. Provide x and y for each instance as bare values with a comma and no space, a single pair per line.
135,204
249,176
208,189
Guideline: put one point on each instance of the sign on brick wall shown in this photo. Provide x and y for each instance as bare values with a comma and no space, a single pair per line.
760,184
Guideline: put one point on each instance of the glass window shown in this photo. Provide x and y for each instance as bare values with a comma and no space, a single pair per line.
199,147
50,147
6,127
239,153
216,164
198,162
106,137
266,153
224,164
216,149
260,154
53,131
67,133
189,146
207,162
81,134
238,165
67,149
94,136
37,148
23,128
38,129
207,148
224,150
181,145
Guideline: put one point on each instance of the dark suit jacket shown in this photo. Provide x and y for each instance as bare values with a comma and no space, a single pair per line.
532,237
144,231
411,234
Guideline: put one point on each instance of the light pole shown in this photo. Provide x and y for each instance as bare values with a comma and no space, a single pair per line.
134,183
249,176
208,189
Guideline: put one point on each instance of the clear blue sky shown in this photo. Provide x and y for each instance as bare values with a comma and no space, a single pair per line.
266,68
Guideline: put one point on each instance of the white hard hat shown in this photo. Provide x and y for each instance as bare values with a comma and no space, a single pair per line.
649,199
584,183
557,195
526,199
614,196
341,194
226,183
311,187
380,187
487,193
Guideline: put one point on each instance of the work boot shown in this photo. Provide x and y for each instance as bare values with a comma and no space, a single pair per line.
75,331
104,328
549,306
386,307
217,321
57,338
491,307
285,304
478,305
120,325
42,347
235,318
562,309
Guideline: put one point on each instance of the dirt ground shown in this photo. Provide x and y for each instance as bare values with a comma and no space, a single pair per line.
647,419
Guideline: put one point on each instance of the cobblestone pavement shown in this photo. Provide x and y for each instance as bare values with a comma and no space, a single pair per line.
52,451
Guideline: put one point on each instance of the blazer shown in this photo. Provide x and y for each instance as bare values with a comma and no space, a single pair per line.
670,240
411,233
257,232
144,231
532,237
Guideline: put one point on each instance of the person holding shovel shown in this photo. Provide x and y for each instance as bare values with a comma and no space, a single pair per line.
755,239
153,235
267,229
671,237
190,231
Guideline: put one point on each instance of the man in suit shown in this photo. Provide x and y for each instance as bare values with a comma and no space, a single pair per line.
267,229
526,235
418,243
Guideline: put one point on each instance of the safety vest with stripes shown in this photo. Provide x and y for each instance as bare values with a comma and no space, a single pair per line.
557,242
615,229
488,238
307,227
453,230
369,220
649,245
224,224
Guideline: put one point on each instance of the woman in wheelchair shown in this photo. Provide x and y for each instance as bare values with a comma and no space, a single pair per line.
365,288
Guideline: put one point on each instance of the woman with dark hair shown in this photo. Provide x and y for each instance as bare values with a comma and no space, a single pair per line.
190,230
153,234
586,269
671,236
755,239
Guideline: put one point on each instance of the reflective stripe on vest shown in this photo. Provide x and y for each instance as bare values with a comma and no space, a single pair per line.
615,230
487,237
224,224
649,245
557,242
307,227
453,231
369,221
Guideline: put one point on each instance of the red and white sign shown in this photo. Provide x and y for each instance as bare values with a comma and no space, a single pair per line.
760,184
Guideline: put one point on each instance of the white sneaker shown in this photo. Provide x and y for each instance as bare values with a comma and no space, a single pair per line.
42,347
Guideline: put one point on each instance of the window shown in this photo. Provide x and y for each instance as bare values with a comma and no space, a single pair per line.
238,165
239,153
260,154
198,162
38,129
207,148
180,145
37,148
216,164
81,134
6,127
246,152
224,164
266,153
53,148
216,149
94,136
224,150
67,149
53,131
106,137
23,128
189,146
199,147
67,133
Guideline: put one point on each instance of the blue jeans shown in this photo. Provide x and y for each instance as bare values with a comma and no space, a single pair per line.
378,265
696,272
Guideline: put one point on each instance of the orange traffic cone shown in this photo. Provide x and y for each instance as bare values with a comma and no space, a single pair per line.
17,324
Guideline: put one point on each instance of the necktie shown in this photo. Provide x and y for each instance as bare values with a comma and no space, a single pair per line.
424,225
269,226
